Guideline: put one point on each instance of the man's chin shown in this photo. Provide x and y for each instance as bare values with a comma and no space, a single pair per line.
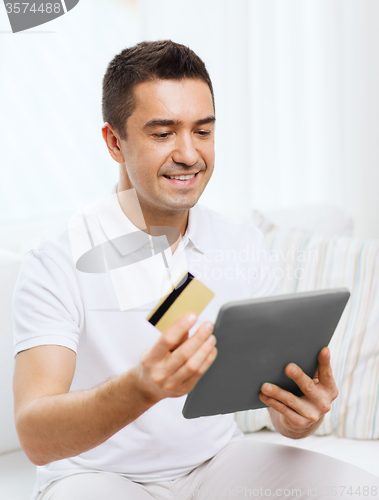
182,204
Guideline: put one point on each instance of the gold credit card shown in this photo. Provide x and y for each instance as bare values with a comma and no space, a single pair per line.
189,295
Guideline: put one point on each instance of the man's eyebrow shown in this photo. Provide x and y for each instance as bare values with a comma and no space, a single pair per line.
165,123
204,121
161,123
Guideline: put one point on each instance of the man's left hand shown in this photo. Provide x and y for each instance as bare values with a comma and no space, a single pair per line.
298,417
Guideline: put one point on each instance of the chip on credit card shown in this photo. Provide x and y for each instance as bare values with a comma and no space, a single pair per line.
189,295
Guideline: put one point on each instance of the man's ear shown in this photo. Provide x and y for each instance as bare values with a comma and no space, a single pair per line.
113,142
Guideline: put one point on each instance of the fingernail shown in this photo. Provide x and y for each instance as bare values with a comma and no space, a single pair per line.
211,339
208,326
191,317
293,370
267,387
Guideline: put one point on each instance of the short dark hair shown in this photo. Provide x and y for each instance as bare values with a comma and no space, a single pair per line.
160,60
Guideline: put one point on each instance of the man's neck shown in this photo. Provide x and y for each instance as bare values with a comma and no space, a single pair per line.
146,220
178,221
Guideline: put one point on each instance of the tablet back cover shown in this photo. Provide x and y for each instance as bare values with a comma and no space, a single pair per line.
256,339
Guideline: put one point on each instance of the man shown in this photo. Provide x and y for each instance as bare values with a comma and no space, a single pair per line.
98,390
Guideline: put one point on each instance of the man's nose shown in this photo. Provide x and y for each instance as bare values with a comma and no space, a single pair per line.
185,151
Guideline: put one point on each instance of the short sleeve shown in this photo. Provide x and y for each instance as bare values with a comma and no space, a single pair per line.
46,306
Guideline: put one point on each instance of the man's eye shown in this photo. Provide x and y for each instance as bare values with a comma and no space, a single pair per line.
164,135
204,133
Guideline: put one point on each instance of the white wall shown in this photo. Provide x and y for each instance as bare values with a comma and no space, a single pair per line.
296,84
52,155
315,74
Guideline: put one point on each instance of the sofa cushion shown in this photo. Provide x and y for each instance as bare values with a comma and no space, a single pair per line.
305,260
17,476
9,267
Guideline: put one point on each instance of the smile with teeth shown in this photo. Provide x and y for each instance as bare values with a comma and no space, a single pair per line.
181,177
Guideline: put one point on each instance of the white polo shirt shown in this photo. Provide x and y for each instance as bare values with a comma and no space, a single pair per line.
101,315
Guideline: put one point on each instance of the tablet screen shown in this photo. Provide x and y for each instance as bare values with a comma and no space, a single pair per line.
256,339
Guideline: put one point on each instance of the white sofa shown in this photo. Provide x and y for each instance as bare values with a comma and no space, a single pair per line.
17,473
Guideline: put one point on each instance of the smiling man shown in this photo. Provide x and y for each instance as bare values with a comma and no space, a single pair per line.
167,150
98,390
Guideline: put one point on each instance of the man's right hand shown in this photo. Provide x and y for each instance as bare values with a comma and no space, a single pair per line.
53,423
173,365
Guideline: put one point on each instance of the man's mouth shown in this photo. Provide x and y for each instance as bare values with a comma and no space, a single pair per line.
182,180
181,177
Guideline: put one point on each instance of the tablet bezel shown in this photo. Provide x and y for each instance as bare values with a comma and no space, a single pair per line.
299,325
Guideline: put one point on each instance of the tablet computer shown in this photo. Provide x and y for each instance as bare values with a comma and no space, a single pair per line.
256,339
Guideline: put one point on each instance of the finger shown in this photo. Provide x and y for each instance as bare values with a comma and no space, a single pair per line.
305,383
181,341
208,361
301,406
190,382
319,395
194,363
184,352
292,416
315,378
172,337
325,374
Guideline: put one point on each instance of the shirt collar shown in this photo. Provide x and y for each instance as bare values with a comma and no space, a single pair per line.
198,230
115,223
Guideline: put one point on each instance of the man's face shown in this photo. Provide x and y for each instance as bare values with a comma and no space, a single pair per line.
170,133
